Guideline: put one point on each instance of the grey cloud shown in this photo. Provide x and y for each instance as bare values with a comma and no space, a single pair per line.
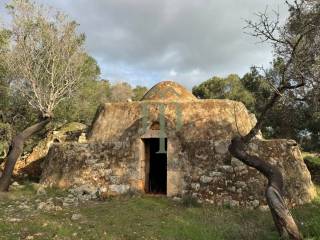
183,35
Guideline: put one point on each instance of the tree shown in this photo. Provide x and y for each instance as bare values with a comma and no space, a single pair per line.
92,89
44,65
310,137
5,129
5,138
261,90
278,123
230,87
14,109
121,92
138,92
4,85
289,118
297,49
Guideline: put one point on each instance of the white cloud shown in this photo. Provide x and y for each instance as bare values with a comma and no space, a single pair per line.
173,73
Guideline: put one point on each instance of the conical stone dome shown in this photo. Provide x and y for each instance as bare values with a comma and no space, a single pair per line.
168,91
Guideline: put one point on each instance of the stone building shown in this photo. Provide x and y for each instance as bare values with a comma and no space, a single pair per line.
172,143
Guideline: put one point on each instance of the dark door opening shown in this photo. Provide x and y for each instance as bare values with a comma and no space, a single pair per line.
156,166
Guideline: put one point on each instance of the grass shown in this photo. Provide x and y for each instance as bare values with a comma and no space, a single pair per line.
312,161
141,217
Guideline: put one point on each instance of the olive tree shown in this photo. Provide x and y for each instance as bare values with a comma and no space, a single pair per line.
44,66
296,47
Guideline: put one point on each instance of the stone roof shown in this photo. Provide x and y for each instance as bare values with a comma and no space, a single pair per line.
168,91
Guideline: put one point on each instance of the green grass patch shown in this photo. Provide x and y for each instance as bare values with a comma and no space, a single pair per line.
313,159
142,217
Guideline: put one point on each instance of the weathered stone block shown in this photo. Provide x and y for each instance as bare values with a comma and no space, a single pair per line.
236,162
226,169
215,174
119,189
222,147
195,186
206,179
114,179
240,184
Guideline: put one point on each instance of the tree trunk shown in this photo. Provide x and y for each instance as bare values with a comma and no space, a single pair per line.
282,217
16,150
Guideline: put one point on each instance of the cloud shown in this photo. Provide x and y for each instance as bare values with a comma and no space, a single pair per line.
146,41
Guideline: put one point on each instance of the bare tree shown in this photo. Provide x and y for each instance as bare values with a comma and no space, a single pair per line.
44,64
296,47
121,92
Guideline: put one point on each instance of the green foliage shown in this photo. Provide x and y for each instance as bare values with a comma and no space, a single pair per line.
90,69
82,107
14,109
90,94
5,138
312,159
138,92
299,120
4,85
257,85
45,64
5,132
296,115
285,120
230,88
289,118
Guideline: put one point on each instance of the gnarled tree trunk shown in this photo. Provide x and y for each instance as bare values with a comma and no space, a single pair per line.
16,150
282,217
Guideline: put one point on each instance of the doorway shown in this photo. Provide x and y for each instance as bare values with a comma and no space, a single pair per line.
155,166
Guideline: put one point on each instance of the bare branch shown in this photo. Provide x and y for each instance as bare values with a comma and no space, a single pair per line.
46,55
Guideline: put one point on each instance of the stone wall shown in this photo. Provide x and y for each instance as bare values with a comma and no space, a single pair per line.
30,164
216,177
110,167
203,169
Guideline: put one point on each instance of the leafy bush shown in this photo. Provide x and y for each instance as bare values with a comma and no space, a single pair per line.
5,138
313,159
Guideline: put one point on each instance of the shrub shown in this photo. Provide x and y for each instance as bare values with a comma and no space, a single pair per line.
312,159
5,139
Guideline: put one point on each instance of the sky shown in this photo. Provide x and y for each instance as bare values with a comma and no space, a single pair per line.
144,42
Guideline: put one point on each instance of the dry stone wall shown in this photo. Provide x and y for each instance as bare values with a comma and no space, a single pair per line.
216,177
109,167
208,171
